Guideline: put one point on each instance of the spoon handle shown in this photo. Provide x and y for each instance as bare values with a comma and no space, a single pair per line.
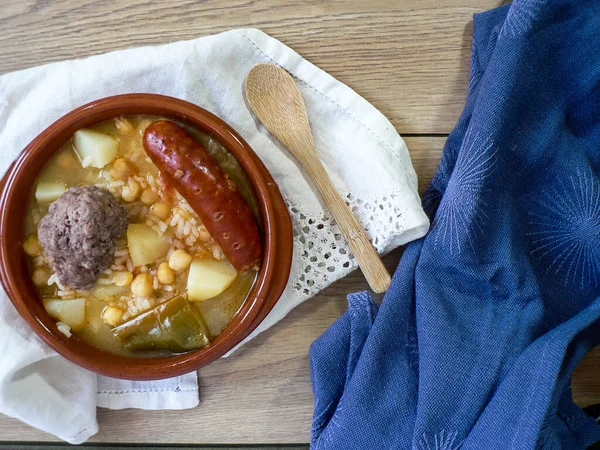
371,265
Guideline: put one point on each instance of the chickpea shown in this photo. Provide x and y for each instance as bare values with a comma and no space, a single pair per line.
40,276
32,246
123,278
204,235
112,316
182,212
142,285
122,169
148,197
165,274
131,191
161,210
180,260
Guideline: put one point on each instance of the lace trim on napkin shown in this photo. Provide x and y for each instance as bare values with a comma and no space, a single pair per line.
323,254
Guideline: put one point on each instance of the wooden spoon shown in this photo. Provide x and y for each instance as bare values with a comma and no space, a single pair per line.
277,102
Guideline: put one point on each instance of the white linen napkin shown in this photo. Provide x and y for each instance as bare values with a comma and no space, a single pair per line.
366,158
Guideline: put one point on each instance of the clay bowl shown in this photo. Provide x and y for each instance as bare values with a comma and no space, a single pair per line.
17,185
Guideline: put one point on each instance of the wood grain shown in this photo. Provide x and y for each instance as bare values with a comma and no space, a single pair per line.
409,58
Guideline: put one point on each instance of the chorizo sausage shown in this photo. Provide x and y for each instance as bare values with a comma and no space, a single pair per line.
196,175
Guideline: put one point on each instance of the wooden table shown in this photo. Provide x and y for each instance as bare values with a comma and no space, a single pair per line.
409,58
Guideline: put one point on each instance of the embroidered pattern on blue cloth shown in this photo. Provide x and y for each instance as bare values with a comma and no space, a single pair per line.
487,316
462,214
565,228
440,441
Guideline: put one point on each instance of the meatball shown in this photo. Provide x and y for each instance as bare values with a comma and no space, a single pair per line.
79,233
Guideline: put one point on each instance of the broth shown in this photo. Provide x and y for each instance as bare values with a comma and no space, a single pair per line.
114,316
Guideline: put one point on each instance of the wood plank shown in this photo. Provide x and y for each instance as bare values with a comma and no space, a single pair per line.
409,58
586,380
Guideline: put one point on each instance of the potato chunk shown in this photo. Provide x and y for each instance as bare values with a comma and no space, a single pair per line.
49,191
95,149
208,278
70,312
145,245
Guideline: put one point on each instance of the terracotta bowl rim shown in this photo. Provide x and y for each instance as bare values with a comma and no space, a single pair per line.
17,183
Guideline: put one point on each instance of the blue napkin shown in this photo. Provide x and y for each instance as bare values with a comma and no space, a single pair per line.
487,316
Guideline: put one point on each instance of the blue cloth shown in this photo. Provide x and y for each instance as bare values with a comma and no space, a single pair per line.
475,342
